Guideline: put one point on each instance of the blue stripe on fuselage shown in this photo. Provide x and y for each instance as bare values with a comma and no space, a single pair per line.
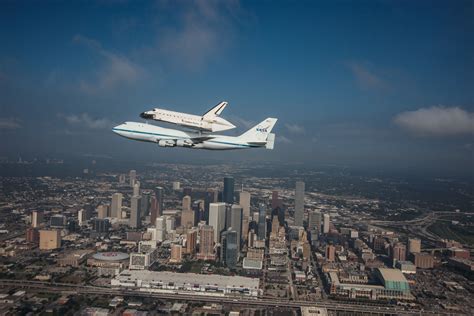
178,137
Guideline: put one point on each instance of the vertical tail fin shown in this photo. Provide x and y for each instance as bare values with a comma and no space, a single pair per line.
215,111
259,133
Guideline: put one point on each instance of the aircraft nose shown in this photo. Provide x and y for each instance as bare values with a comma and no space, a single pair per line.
146,115
116,129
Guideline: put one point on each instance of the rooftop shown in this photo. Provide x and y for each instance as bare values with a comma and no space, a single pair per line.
189,278
392,275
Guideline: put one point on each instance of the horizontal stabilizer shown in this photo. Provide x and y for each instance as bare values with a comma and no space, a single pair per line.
270,141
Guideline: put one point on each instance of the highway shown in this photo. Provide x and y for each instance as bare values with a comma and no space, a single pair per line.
66,289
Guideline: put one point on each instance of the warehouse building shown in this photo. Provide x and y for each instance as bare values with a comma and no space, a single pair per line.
217,285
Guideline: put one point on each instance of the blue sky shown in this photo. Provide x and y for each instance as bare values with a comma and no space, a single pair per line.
366,83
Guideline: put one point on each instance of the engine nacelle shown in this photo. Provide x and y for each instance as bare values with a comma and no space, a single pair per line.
184,143
166,143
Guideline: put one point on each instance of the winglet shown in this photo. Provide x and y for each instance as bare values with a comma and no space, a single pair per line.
215,111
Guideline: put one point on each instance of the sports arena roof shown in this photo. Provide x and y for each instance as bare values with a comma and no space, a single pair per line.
111,256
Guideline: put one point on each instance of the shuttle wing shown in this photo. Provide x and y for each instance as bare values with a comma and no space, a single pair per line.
215,111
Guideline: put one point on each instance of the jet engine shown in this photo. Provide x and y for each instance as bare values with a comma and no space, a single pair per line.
184,143
166,143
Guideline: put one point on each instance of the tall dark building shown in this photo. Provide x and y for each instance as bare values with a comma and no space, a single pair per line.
145,207
230,251
236,215
210,197
153,209
159,192
262,223
187,191
100,225
276,202
228,194
57,221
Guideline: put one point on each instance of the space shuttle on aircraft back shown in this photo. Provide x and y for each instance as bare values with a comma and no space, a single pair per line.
208,122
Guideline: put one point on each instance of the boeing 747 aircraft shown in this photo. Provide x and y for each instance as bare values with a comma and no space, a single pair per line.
259,136
208,122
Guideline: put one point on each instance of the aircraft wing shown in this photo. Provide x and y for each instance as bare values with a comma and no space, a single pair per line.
201,139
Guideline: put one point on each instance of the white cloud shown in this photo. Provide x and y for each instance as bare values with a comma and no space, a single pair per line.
437,120
116,71
203,30
85,120
283,139
9,123
241,122
294,128
365,76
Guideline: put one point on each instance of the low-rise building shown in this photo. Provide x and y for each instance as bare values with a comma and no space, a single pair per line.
217,285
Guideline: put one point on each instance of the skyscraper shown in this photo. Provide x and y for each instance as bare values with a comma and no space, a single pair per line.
327,221
299,203
187,218
145,208
36,219
81,217
244,201
399,251
160,200
206,243
153,209
228,195
230,249
116,207
236,222
135,217
100,225
314,221
276,202
191,241
187,203
133,177
136,188
160,226
217,219
208,199
102,211
262,222
58,221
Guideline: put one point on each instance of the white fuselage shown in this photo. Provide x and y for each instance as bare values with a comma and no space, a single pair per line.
167,137
214,124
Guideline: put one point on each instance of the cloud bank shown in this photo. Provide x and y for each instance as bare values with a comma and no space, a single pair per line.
365,77
9,123
294,128
437,121
85,120
202,31
117,69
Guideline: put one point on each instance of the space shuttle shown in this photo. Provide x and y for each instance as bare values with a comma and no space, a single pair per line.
208,122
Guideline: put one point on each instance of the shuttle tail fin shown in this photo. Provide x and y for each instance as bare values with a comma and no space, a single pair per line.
215,111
